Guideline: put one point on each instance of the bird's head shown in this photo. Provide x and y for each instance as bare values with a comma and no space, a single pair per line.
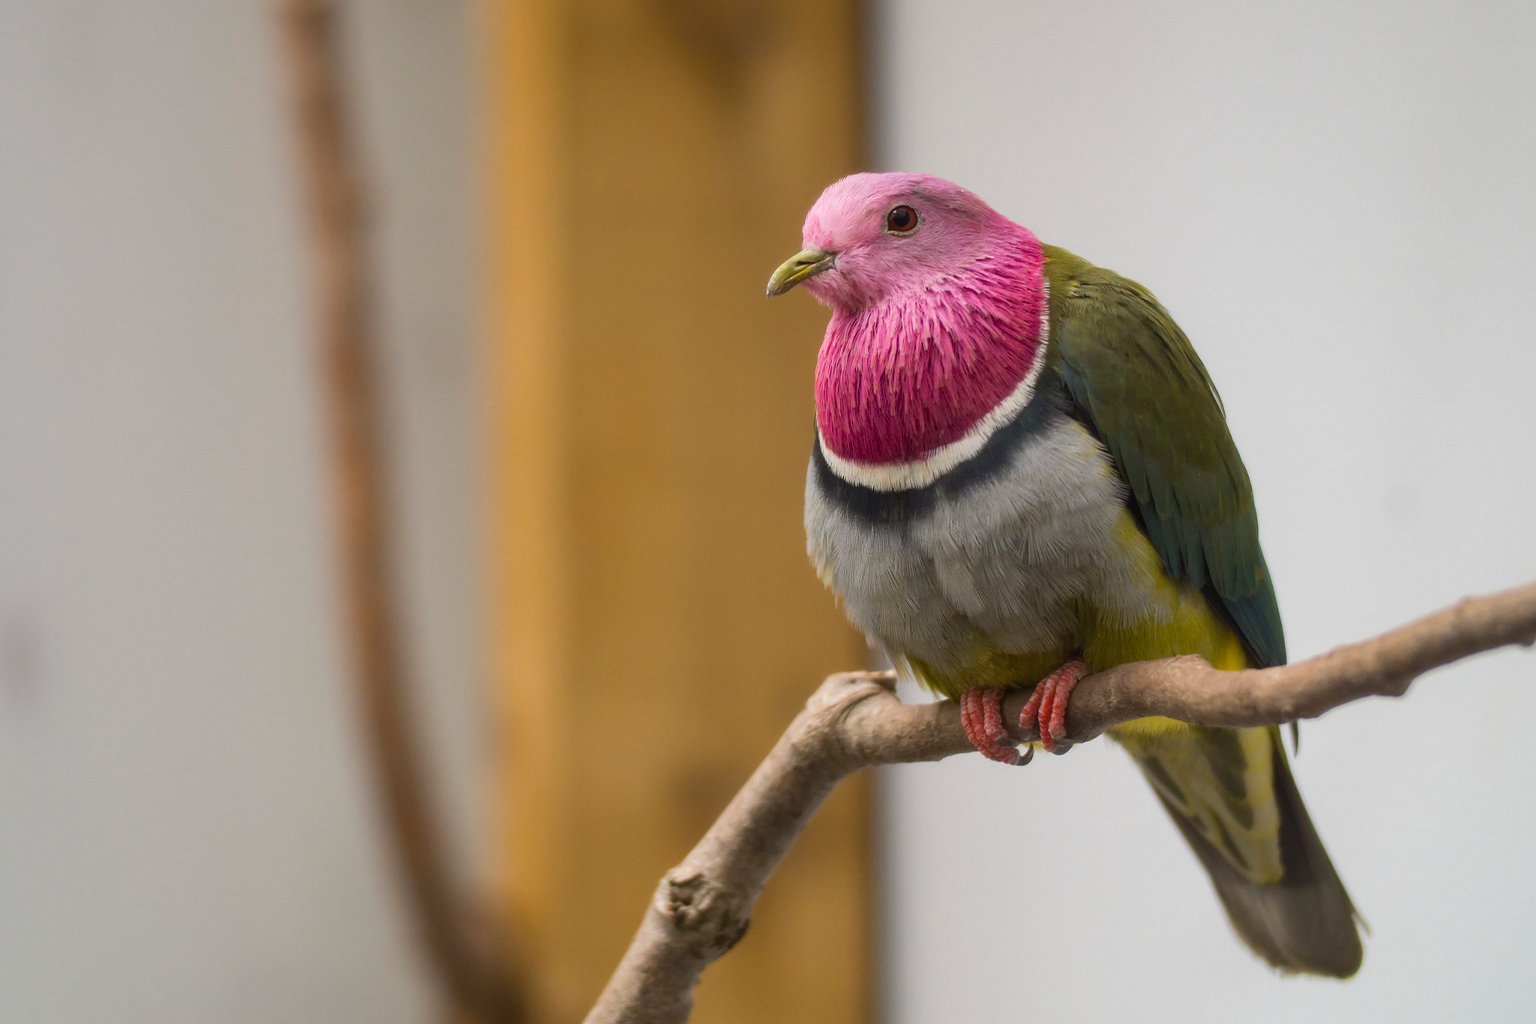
871,236
939,319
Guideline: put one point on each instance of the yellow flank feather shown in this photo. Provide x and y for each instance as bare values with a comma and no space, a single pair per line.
1174,619
989,667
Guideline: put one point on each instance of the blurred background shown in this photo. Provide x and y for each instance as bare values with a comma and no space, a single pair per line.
590,435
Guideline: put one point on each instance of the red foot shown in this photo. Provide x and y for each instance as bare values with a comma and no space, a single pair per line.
981,712
1046,709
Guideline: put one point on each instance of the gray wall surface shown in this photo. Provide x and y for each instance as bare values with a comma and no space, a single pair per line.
187,830
1336,201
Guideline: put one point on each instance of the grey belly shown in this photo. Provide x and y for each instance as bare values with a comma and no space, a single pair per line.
1015,557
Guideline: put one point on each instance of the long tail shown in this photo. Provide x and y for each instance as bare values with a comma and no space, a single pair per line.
1231,793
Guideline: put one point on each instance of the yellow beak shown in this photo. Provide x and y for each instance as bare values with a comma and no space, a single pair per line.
803,264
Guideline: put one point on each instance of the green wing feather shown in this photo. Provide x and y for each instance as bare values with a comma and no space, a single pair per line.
1138,383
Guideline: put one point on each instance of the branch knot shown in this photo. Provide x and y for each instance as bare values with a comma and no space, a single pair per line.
708,917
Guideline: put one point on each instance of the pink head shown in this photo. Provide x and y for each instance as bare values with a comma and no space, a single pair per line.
891,233
938,308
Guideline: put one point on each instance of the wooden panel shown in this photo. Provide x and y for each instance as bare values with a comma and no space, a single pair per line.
656,620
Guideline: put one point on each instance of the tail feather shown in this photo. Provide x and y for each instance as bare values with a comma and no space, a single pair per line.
1305,920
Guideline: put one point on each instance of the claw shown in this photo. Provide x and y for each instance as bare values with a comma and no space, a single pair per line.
1045,713
981,713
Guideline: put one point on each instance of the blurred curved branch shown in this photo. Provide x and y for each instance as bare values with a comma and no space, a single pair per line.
854,721
475,979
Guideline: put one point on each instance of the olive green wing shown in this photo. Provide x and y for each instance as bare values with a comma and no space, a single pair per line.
1136,381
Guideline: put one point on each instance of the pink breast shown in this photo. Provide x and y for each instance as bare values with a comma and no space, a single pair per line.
918,371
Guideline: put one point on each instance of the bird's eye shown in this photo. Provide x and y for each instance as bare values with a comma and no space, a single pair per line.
902,220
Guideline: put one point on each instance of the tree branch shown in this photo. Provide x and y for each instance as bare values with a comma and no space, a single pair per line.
854,720
476,980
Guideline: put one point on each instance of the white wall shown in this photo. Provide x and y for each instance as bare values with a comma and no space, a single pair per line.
1336,200
187,832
